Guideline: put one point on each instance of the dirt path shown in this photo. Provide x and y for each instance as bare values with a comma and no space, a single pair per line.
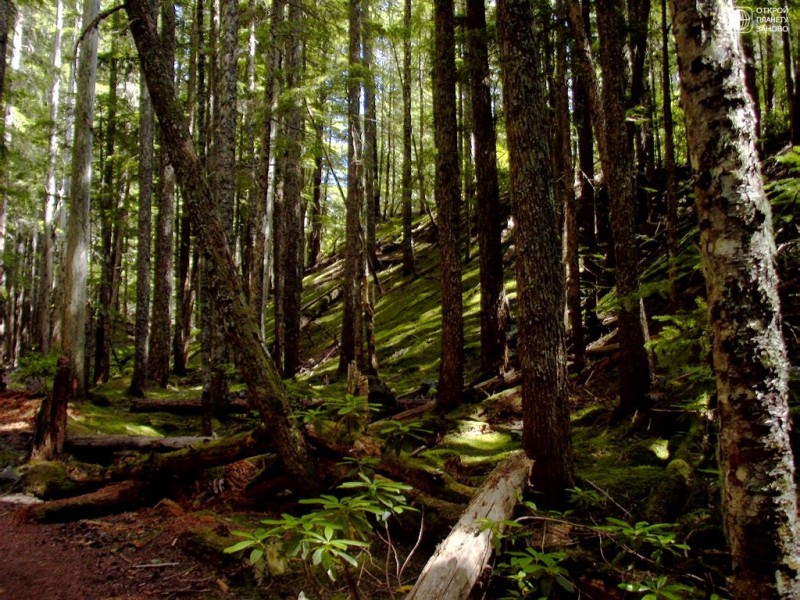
122,557
128,556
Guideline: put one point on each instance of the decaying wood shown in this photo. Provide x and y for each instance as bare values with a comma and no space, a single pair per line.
402,416
183,407
458,562
121,443
107,500
484,389
415,472
194,458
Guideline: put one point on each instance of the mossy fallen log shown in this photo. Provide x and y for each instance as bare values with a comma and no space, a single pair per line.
461,558
183,407
122,443
110,499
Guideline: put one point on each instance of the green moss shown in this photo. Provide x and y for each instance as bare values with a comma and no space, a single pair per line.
46,479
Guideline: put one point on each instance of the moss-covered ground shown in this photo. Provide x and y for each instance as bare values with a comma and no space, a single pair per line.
623,469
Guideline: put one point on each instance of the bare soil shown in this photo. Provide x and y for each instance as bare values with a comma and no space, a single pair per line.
129,556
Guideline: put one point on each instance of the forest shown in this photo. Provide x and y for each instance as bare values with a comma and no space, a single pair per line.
382,299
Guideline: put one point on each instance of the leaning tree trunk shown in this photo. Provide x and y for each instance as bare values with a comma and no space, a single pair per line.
540,277
265,390
448,198
738,252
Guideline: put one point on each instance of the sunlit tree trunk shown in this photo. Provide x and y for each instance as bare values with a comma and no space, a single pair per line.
51,190
540,276
494,307
292,190
448,200
160,338
408,242
351,321
738,252
76,261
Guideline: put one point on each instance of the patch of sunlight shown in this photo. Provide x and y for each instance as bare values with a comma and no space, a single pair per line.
660,448
142,430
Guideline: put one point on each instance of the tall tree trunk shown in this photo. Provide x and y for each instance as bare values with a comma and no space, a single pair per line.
751,82
540,277
142,327
161,321
351,322
408,242
264,213
6,19
44,325
669,161
316,215
107,207
738,252
292,191
448,199
77,252
565,193
634,372
265,390
70,381
494,305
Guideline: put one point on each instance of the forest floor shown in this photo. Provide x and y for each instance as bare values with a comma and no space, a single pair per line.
657,468
121,557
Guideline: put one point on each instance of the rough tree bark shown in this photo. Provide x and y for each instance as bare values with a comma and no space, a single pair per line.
265,390
618,171
540,277
738,252
448,199
77,254
292,190
161,321
408,242
51,191
494,307
355,199
142,325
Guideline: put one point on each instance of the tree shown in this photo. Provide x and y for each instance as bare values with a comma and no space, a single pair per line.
160,324
76,261
51,191
738,252
448,200
408,242
494,310
144,220
540,278
351,318
265,390
634,376
292,190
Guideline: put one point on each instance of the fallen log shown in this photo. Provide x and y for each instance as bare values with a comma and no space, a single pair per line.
461,558
107,500
484,389
122,443
415,472
183,407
